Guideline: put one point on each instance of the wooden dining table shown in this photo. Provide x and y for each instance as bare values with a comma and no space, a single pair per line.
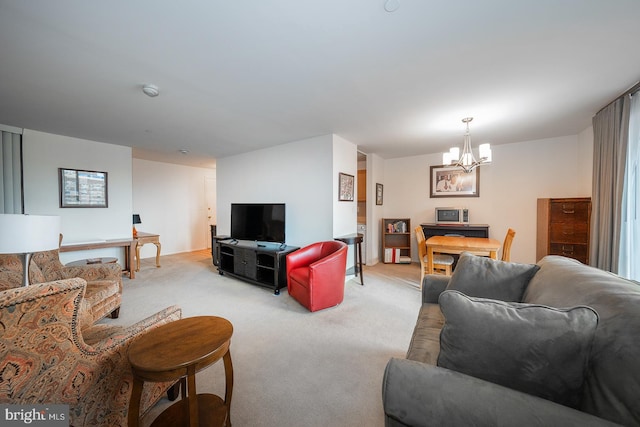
456,245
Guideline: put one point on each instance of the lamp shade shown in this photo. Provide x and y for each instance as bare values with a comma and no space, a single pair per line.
22,234
136,219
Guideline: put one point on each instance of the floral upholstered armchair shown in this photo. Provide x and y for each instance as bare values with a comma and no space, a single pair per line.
104,281
46,357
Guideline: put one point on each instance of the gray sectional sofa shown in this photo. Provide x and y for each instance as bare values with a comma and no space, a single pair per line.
563,350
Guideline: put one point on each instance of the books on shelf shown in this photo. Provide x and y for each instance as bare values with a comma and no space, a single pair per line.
397,227
392,255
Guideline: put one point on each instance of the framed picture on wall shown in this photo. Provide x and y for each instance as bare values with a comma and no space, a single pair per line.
83,188
451,181
345,187
378,194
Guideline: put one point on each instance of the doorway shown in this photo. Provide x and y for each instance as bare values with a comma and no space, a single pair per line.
210,201
362,202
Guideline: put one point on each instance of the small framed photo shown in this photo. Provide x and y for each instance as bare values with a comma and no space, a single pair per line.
345,187
451,181
378,194
83,189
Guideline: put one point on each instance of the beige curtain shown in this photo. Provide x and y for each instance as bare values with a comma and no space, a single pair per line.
610,139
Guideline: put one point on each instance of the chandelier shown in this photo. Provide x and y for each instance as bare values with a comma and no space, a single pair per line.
467,161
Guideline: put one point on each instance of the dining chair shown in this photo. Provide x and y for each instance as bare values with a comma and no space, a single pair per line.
506,246
441,263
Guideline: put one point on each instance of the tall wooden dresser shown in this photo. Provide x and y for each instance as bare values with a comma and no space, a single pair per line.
564,228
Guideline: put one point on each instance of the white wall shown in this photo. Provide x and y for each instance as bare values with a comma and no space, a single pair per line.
375,175
305,178
299,174
345,160
44,153
509,187
170,200
345,213
585,160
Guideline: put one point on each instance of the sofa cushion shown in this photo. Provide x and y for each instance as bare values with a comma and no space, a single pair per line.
484,277
613,383
535,349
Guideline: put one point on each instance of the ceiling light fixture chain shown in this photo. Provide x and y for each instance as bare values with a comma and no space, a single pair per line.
467,161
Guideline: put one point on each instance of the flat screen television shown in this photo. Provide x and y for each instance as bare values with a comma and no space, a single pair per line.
262,222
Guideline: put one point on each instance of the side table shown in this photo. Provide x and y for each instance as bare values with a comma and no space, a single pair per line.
355,239
177,351
140,239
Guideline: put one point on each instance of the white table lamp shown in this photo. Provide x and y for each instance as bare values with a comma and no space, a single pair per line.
26,234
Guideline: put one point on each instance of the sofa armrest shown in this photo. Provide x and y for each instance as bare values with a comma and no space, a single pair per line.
91,372
432,286
303,257
417,394
104,339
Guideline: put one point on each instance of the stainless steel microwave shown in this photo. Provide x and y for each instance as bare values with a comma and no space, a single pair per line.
452,216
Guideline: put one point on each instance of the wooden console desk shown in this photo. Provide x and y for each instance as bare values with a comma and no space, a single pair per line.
111,243
140,240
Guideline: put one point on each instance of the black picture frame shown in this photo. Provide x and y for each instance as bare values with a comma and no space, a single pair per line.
379,194
451,181
83,188
346,185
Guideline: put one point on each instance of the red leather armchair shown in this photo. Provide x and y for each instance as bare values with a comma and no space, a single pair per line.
316,274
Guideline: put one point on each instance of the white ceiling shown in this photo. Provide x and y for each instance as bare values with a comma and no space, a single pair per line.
236,76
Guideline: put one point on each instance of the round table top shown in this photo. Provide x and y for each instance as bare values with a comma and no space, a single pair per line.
91,261
167,351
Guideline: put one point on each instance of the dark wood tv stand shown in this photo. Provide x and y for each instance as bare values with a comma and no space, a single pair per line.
263,264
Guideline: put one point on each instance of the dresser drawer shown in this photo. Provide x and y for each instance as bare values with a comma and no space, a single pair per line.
568,233
570,212
570,250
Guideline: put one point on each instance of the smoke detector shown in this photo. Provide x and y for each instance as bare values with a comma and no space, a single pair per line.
151,90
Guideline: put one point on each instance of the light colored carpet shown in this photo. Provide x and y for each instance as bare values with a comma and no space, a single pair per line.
291,367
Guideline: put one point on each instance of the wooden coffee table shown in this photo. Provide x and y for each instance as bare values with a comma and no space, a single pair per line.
177,351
